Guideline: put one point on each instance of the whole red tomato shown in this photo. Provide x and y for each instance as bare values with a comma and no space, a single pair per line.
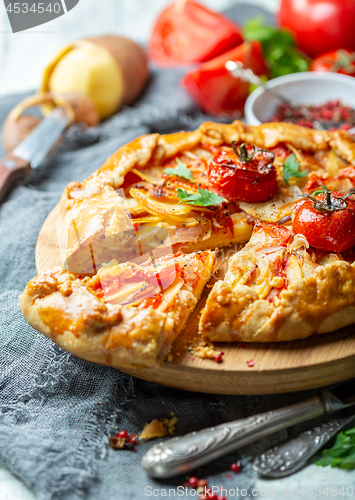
215,89
331,231
320,25
336,61
246,174
188,32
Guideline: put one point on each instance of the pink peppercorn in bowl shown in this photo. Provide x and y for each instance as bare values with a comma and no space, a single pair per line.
315,89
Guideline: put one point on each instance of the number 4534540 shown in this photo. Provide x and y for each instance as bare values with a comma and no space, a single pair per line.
331,491
23,7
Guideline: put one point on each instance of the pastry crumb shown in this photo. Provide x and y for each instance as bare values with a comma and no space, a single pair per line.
206,350
158,428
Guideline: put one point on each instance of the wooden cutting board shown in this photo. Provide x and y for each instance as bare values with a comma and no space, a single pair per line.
278,367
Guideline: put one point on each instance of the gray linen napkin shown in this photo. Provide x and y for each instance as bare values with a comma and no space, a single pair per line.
56,411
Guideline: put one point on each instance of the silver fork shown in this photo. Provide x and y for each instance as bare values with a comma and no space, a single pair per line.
181,454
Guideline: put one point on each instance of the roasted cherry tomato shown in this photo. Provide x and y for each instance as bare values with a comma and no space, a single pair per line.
327,220
336,61
320,25
280,150
245,174
216,90
188,32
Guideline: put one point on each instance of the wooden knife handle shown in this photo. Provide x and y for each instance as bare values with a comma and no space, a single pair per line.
12,169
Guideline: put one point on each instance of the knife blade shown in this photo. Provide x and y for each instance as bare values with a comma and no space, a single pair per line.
182,454
31,152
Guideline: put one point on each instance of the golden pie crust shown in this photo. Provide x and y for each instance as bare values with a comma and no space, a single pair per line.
89,208
96,224
287,294
66,309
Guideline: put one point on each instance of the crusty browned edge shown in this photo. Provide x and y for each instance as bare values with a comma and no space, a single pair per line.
317,304
157,148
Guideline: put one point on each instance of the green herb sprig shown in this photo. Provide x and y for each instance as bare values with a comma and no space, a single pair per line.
291,168
181,171
242,152
279,47
203,198
341,453
331,203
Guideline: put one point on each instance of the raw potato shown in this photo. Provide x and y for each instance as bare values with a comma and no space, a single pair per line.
111,70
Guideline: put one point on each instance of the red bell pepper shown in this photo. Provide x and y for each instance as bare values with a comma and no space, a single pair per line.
187,32
216,90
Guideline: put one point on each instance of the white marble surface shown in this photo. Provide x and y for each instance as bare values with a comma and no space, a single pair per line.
12,488
310,482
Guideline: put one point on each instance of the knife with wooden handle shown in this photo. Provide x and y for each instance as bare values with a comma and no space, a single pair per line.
31,152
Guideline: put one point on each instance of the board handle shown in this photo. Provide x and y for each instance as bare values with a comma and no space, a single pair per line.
12,170
181,454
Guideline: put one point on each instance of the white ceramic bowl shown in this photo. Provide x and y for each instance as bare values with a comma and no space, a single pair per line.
306,88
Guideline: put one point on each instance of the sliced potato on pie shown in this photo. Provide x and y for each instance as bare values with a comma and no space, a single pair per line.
129,282
131,189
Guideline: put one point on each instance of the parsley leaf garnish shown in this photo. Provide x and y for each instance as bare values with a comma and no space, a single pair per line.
342,453
204,198
291,168
181,170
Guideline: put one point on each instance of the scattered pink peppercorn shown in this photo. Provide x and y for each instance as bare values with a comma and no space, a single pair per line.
202,483
185,484
123,435
228,476
331,115
218,357
250,363
235,467
193,482
222,497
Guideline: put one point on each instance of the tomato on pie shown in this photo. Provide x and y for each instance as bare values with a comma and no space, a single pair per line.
246,174
327,220
137,239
